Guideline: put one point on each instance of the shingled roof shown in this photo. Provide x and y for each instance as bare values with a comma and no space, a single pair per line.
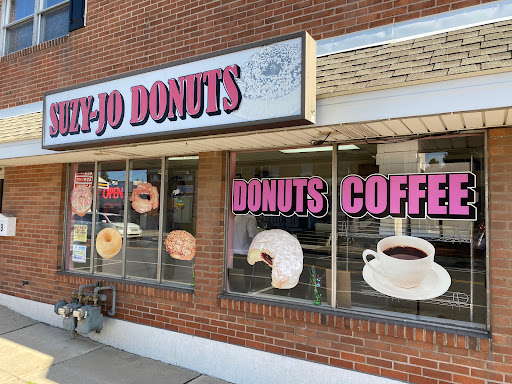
461,52
18,128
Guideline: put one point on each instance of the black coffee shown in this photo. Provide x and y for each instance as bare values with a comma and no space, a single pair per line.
405,253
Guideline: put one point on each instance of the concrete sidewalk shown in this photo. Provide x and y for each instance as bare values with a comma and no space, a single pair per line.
36,353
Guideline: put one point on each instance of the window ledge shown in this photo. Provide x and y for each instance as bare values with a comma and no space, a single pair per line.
34,48
171,292
430,332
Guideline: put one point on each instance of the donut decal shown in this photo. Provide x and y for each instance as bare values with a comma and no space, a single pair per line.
282,252
272,74
143,205
81,199
181,245
108,243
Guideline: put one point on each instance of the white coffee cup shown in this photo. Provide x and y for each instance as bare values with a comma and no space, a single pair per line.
404,273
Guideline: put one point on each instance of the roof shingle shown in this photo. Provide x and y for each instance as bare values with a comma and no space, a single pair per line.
465,51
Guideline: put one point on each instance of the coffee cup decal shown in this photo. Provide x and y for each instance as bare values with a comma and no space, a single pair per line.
403,266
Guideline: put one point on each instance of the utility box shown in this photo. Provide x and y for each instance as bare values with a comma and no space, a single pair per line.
7,225
89,319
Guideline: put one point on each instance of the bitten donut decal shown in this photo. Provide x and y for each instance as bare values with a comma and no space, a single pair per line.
282,252
143,205
108,243
181,245
81,200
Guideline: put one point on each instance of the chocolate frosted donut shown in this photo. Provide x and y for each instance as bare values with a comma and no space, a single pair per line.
282,252
181,245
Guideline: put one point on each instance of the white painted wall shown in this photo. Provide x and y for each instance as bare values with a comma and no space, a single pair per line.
226,361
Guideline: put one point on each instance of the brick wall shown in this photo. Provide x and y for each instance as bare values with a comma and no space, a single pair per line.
35,195
412,354
123,36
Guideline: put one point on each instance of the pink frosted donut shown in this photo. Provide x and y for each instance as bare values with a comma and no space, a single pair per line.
81,200
282,252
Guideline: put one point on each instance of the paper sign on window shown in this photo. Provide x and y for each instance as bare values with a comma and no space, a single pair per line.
80,233
79,254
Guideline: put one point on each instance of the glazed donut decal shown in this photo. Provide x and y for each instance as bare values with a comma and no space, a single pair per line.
301,196
81,199
282,252
108,243
180,245
143,205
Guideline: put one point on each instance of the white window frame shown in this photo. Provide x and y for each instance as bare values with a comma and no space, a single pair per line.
36,16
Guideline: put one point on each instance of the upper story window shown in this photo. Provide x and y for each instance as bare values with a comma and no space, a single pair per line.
30,22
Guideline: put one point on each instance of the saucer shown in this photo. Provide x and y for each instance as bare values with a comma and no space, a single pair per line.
436,283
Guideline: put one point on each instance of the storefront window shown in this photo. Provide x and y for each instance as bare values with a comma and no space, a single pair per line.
143,219
296,266
410,228
180,216
110,211
455,286
78,251
135,235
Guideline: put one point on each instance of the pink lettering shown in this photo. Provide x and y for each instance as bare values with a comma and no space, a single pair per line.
232,102
397,194
140,105
352,195
376,195
158,102
435,194
54,128
457,193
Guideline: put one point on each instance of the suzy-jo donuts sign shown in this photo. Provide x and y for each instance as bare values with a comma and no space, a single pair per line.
260,84
449,196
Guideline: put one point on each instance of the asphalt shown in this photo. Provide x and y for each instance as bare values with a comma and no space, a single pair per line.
35,353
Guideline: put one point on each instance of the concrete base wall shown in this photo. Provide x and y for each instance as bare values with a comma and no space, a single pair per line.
225,361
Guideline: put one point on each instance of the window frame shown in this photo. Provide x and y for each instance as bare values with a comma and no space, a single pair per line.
36,17
360,313
1,191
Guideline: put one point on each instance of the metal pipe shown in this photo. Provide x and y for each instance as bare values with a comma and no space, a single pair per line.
81,288
112,311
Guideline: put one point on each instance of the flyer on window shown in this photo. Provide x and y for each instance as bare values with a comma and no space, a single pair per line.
80,233
79,254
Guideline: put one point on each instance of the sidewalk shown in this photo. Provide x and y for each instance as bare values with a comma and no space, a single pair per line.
36,353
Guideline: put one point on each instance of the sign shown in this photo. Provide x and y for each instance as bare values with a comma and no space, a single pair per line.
113,193
79,253
448,196
301,196
263,84
80,233
7,225
83,178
